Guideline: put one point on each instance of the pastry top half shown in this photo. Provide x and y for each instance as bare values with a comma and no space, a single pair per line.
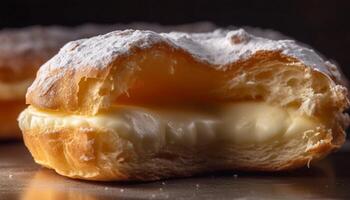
90,75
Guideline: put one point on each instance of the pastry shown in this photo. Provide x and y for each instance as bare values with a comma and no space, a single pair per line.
23,50
138,105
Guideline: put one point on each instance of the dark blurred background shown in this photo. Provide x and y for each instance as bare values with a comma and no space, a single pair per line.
325,25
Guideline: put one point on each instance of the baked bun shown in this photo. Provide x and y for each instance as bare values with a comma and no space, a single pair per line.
24,50
137,105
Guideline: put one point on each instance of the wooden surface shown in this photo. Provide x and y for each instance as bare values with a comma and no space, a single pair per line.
21,178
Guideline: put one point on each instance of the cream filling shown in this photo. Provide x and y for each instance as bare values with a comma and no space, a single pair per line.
242,122
16,90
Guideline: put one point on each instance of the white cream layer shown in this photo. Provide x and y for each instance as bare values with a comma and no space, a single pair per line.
243,122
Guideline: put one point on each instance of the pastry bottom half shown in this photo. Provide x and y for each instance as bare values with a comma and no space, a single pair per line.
122,146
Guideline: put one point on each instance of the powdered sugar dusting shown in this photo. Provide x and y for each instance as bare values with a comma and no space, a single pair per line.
101,50
40,43
220,48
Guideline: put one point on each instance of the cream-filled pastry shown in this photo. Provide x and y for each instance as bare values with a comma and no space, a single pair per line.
138,105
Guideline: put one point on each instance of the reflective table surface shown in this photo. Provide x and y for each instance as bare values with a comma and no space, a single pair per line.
21,178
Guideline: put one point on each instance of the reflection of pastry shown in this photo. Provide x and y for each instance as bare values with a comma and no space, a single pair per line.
22,51
133,105
295,185
45,185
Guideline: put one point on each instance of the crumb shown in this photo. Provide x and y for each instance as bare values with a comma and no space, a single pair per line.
85,158
10,175
121,190
235,176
